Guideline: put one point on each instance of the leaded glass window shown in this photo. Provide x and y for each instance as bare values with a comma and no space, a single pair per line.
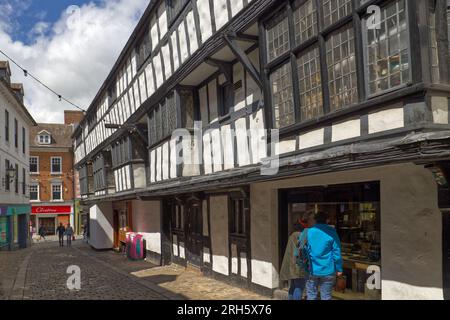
388,53
282,96
334,10
277,36
310,85
341,65
305,22
171,114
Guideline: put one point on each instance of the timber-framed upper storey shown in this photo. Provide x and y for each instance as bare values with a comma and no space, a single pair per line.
327,74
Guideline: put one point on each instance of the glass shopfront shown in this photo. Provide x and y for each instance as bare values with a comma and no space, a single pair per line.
354,211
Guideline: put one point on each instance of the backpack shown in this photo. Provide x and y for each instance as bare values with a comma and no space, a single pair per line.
302,255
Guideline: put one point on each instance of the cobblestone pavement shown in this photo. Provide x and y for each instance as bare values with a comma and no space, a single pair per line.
40,273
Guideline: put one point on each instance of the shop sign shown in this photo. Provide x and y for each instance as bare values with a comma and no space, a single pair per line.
51,210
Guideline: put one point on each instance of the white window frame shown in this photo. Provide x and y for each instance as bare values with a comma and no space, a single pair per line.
60,165
38,192
37,164
44,139
61,192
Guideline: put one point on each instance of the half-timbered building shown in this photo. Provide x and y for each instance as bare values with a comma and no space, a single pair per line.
223,121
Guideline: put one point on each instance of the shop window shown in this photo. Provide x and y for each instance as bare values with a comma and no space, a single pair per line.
388,50
57,192
277,36
282,96
354,211
334,10
56,165
305,22
310,85
34,192
341,65
34,165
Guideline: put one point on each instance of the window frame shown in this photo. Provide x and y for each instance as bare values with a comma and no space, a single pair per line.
37,164
7,125
60,165
38,198
16,133
60,185
365,53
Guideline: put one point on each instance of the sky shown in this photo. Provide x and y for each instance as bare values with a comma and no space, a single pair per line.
70,45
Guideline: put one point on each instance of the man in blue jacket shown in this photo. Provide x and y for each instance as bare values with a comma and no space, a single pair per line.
324,248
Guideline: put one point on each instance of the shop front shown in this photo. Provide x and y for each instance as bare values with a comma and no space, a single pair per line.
354,211
14,227
50,217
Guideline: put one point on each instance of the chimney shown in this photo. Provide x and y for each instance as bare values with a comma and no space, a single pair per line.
72,117
5,71
18,90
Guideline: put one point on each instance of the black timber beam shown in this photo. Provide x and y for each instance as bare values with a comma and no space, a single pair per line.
247,37
224,66
231,41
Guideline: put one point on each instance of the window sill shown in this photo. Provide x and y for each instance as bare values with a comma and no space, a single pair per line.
56,173
57,200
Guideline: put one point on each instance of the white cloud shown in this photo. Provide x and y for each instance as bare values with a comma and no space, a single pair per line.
74,57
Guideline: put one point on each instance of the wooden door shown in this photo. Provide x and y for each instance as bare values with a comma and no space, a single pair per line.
194,233
239,239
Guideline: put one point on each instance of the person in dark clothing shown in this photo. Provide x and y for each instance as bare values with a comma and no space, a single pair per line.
42,232
61,231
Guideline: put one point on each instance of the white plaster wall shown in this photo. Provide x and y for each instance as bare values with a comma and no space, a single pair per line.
101,226
258,136
242,142
205,19
439,107
388,119
219,233
216,150
228,146
285,146
220,13
312,139
411,228
140,180
346,130
147,221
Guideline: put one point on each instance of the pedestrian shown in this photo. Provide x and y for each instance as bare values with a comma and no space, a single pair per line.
324,249
61,231
69,235
42,232
290,270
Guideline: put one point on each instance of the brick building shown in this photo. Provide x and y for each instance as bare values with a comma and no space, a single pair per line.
52,183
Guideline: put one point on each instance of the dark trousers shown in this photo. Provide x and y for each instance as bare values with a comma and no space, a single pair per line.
69,241
61,240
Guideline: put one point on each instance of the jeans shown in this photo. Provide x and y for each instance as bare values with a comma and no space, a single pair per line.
296,288
69,240
61,240
326,285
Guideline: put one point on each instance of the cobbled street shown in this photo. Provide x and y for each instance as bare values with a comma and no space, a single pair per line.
40,273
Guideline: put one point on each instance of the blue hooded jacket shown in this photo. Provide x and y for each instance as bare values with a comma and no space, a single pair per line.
324,248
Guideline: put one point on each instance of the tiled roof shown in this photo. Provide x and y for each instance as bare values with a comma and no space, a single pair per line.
60,134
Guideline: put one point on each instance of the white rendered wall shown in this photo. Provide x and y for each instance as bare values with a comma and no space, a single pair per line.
101,226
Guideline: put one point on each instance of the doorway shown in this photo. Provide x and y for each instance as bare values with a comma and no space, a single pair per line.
194,233
49,225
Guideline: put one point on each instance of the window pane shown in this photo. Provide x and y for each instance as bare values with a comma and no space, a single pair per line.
282,97
387,47
334,10
310,86
277,37
305,22
342,68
